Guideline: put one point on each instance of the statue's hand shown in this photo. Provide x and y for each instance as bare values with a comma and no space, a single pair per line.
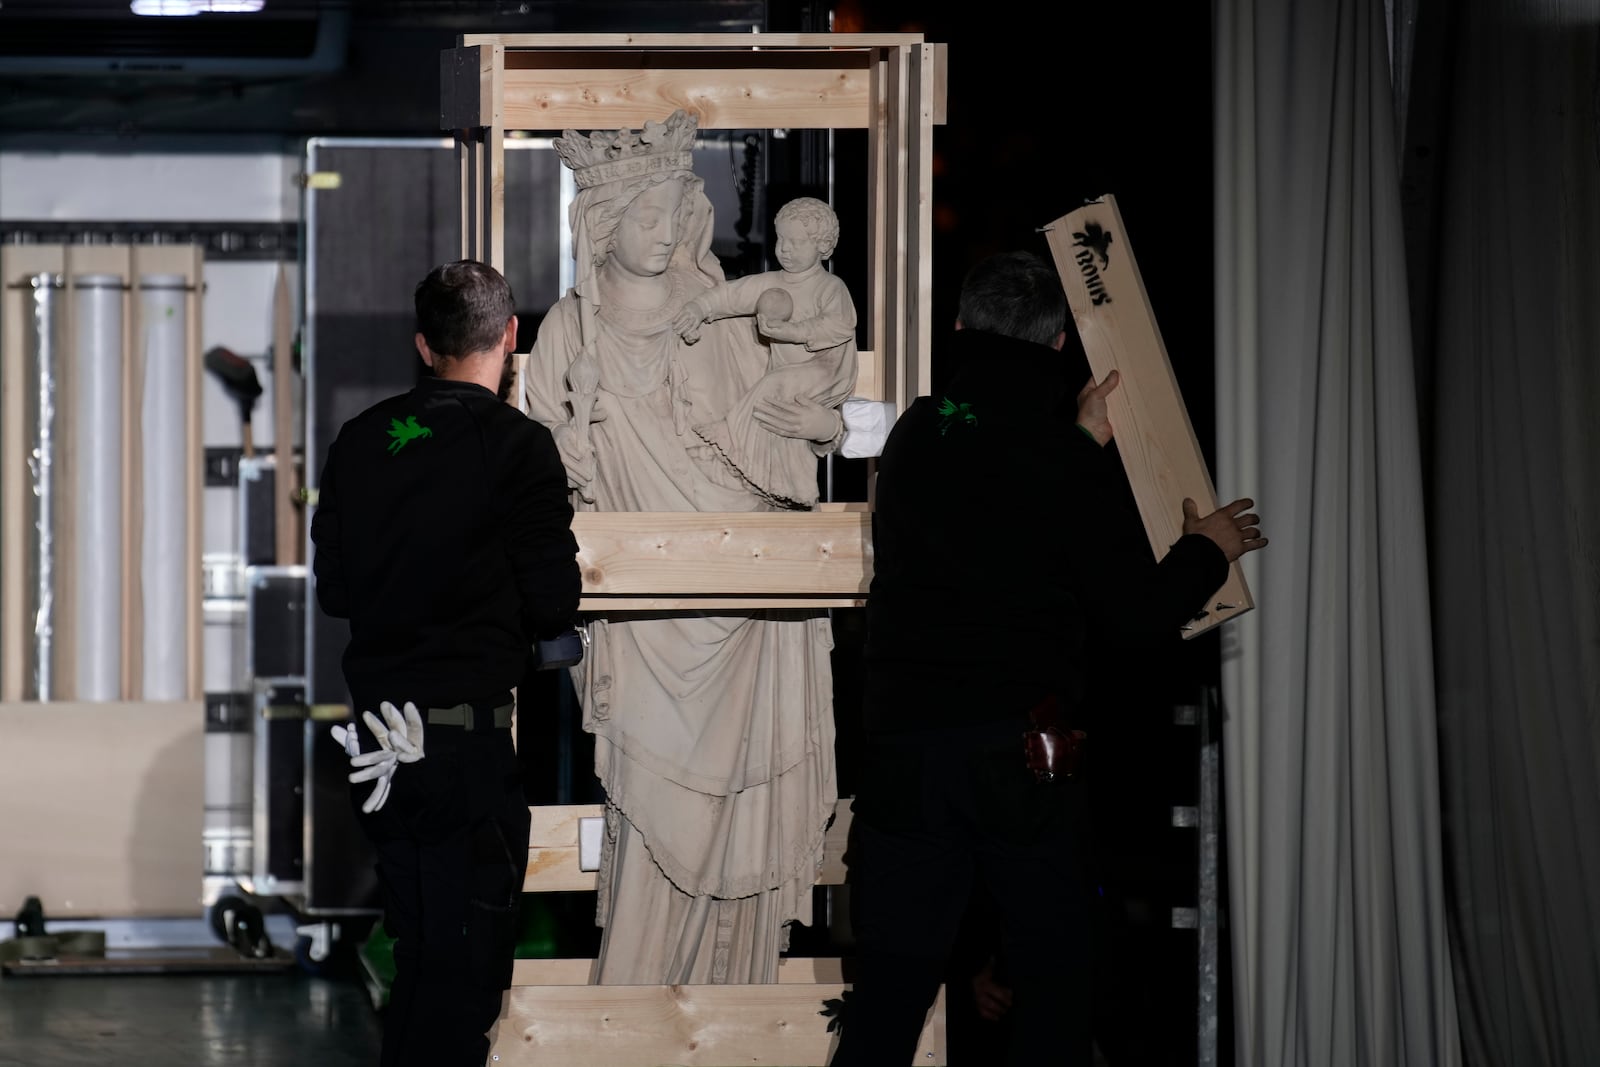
784,330
576,455
799,417
688,320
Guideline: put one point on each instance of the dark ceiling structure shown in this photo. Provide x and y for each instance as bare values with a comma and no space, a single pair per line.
295,68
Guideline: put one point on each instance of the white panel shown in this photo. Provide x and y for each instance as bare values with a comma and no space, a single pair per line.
224,648
143,186
220,523
590,832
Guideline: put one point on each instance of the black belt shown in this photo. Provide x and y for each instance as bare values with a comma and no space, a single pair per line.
471,716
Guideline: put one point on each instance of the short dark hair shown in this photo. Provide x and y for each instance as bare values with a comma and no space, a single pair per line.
463,308
1015,294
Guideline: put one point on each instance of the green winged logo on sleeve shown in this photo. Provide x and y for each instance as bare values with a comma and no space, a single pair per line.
403,433
953,414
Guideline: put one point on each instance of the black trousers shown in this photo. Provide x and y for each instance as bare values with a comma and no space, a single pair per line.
452,847
930,821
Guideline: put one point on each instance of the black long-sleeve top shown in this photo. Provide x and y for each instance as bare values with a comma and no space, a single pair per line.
1003,535
443,533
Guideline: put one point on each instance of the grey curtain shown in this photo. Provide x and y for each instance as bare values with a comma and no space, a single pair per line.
1339,940
1512,329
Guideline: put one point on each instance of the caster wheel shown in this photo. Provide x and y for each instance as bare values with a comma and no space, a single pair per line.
239,923
303,958
218,916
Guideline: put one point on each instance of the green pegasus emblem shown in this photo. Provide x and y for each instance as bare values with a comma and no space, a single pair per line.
403,433
955,415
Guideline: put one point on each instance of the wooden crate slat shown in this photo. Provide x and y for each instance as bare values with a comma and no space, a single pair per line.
793,554
553,860
688,1026
560,97
716,41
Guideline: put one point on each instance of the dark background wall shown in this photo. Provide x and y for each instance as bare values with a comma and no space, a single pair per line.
1047,106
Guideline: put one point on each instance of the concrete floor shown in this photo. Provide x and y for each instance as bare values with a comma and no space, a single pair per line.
282,1019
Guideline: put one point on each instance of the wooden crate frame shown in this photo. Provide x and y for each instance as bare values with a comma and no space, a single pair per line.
555,1018
893,87
17,264
890,85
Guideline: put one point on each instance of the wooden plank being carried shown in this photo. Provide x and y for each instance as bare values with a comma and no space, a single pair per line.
1154,435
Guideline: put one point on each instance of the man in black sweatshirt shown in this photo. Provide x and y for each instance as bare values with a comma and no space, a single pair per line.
443,533
972,623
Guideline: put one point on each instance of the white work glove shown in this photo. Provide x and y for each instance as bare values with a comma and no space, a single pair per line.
399,741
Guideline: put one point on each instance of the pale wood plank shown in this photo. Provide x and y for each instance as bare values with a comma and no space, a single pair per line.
610,97
688,1026
655,554
869,375
1155,437
921,99
104,805
736,41
898,355
553,848
492,89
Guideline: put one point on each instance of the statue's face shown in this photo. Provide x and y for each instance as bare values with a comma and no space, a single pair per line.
797,249
648,230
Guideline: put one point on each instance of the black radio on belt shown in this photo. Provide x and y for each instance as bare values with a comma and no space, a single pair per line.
563,651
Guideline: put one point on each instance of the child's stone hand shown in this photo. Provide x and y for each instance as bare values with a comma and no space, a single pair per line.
687,323
781,330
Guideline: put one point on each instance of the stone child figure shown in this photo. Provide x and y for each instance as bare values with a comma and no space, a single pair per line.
713,732
809,321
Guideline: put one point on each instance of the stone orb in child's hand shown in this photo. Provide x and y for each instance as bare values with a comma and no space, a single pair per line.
775,305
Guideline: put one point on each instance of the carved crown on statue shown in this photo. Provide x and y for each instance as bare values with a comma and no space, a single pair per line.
618,155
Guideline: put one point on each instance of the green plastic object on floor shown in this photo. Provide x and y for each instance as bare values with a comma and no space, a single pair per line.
377,963
537,930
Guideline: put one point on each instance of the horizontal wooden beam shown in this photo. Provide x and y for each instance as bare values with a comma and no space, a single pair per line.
742,42
811,90
700,559
553,849
686,1025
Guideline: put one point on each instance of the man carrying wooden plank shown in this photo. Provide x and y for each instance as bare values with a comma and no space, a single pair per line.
976,666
